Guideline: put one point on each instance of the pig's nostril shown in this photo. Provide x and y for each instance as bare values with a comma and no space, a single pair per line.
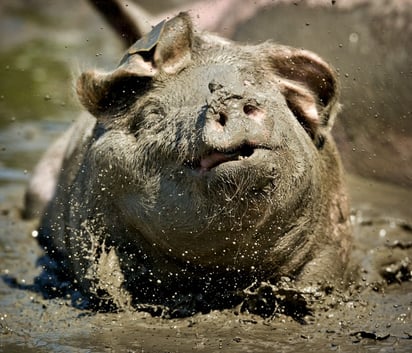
222,119
249,109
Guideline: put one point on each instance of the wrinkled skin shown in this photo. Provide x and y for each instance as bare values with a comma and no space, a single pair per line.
206,165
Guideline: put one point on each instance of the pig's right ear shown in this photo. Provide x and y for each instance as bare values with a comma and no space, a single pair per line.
167,48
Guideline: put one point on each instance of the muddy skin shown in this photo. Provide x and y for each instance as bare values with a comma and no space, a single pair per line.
207,166
367,41
37,315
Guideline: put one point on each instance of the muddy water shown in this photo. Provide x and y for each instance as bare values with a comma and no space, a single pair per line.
374,317
36,105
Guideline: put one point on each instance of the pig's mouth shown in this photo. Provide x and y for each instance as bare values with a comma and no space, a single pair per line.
217,157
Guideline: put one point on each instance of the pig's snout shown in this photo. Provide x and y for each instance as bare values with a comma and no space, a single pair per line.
233,120
235,114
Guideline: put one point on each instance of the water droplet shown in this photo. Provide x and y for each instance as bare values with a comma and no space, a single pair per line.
354,38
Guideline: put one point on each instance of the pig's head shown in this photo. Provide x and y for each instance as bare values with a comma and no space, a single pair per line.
216,153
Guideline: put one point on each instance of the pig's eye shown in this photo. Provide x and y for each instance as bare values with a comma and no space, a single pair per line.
146,116
154,113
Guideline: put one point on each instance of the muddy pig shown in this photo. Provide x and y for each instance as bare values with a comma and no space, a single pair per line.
204,165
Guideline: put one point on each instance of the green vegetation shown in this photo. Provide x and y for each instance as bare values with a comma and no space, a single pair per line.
33,84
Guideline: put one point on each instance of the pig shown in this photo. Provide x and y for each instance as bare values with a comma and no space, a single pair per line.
202,166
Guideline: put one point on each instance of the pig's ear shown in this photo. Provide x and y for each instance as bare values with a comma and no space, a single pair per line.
167,49
310,87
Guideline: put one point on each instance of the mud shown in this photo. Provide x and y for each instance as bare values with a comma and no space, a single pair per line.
374,315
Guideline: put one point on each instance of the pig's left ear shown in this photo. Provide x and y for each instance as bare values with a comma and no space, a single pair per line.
310,87
166,49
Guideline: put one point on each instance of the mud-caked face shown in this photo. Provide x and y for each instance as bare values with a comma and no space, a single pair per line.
222,129
203,137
